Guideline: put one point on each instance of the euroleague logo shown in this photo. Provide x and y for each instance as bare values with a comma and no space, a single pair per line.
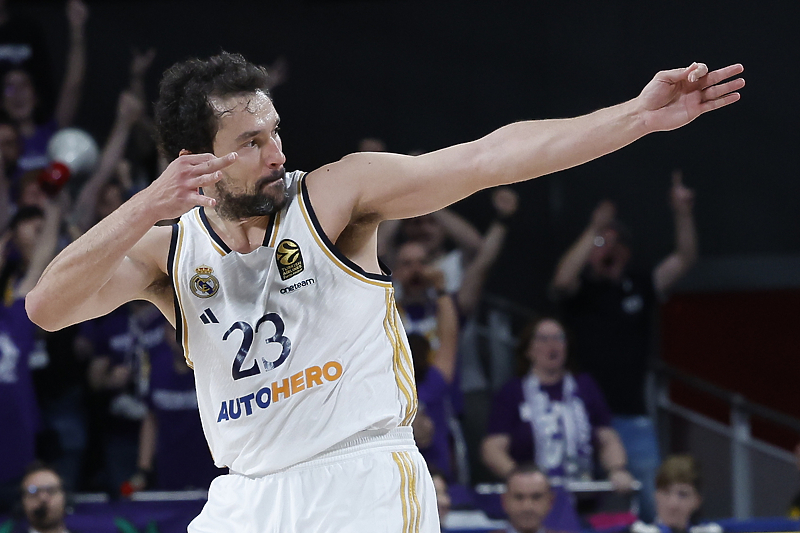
289,259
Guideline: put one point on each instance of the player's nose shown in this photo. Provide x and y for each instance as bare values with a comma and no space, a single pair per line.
273,155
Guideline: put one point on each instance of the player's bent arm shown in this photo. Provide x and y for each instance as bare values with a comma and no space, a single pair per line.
124,257
116,261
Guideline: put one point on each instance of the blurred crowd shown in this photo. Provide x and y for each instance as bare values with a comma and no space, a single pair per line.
110,404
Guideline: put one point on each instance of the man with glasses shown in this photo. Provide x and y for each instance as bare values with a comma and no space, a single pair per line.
43,501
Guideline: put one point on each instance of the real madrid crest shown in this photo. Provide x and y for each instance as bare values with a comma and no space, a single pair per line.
289,259
204,284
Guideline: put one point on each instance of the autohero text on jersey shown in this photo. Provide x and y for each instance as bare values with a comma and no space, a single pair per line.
312,376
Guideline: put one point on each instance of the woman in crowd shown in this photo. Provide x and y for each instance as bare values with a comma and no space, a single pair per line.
559,420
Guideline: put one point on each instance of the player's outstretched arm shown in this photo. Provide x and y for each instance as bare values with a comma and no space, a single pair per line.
382,186
123,257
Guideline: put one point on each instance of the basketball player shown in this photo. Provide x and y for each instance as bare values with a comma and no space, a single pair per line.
304,379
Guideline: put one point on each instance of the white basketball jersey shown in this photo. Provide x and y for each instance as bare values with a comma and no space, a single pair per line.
294,347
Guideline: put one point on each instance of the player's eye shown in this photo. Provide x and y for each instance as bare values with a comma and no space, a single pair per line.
251,143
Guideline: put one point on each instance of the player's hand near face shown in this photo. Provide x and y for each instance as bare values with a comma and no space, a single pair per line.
176,191
676,97
123,257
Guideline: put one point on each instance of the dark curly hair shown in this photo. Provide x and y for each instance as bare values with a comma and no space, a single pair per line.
185,119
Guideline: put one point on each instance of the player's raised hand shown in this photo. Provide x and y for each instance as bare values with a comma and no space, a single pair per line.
176,191
673,98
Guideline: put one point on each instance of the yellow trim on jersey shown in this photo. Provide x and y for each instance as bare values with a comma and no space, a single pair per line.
177,282
275,226
401,361
407,362
214,244
321,243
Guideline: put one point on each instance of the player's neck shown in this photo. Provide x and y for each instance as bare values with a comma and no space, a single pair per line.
241,235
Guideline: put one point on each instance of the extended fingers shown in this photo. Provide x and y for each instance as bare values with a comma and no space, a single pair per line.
716,103
205,201
717,76
715,91
218,163
208,162
206,179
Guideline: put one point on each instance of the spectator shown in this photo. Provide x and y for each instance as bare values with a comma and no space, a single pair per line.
44,502
505,203
434,374
559,420
118,345
434,231
27,248
173,454
10,173
429,316
101,194
610,311
678,499
22,45
527,500
442,495
21,101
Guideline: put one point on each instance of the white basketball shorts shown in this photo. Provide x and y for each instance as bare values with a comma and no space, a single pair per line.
376,482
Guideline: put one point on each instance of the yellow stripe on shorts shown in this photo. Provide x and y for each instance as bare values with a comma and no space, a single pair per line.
408,492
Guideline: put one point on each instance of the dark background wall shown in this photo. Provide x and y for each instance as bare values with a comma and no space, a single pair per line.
423,75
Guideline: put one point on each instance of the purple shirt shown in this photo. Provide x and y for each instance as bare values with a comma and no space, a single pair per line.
433,395
19,413
182,456
126,340
34,148
506,419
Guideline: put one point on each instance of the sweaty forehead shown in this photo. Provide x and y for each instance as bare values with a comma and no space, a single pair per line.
257,103
242,113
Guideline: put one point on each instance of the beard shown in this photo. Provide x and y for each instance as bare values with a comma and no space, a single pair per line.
40,518
255,203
